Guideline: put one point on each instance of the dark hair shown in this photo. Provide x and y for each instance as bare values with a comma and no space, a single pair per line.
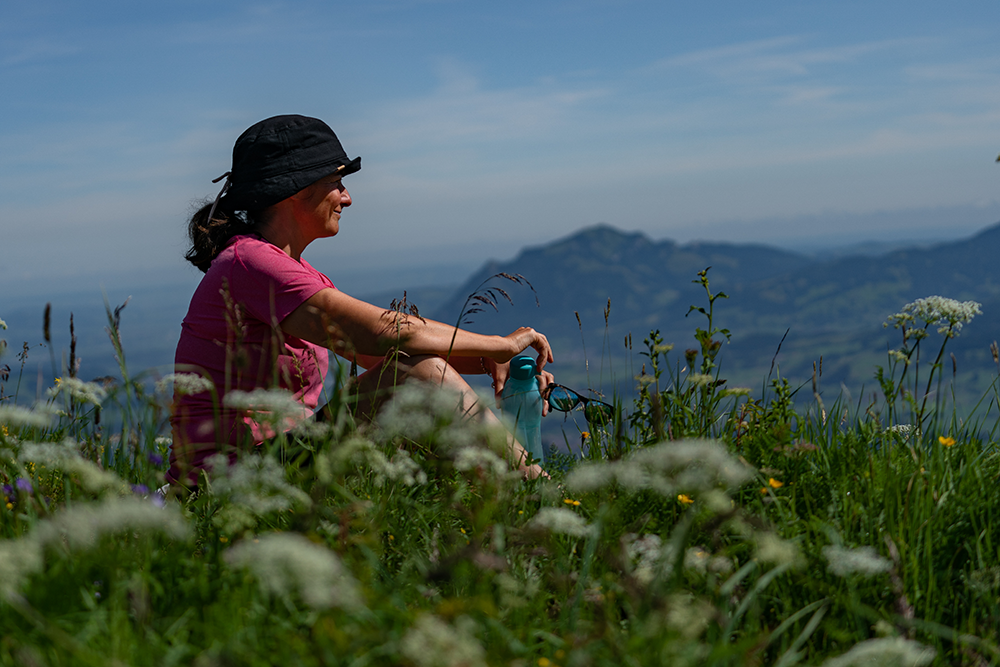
210,237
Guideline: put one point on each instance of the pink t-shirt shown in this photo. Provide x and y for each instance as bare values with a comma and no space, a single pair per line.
231,335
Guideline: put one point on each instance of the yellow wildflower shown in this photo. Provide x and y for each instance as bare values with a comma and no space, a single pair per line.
775,484
544,662
574,503
687,500
584,435
223,539
947,442
10,506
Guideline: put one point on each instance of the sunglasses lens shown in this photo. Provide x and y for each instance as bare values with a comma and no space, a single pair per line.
597,412
562,399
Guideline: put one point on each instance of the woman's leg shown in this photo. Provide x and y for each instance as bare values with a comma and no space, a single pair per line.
375,386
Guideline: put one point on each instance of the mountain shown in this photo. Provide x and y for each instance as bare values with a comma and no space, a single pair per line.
832,308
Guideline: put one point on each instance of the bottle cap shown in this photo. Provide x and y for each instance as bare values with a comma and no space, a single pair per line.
522,367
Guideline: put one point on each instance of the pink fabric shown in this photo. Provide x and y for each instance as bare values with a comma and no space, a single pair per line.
231,335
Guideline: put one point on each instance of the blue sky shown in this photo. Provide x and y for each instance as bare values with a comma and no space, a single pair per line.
485,127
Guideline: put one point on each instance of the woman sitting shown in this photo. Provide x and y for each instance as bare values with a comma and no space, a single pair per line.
262,317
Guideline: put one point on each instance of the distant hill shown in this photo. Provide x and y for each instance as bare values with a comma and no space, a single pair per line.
832,308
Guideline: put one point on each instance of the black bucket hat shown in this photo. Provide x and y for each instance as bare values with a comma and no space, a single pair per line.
279,156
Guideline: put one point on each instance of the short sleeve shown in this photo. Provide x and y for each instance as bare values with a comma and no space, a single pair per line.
270,284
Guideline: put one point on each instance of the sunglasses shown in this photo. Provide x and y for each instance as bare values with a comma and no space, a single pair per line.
565,399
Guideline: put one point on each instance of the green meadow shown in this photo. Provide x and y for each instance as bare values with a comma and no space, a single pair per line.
706,524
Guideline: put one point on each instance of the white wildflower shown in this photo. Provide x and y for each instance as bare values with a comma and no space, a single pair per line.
668,468
288,563
948,314
904,430
431,642
3,325
774,550
481,458
696,559
735,391
663,348
418,410
81,526
587,477
561,521
184,383
888,651
700,379
644,380
19,559
163,441
84,392
273,406
401,468
15,415
863,560
899,356
688,615
255,486
65,457
693,465
644,553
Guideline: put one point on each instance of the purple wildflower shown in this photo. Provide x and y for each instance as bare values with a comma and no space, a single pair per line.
23,484
155,459
8,490
140,489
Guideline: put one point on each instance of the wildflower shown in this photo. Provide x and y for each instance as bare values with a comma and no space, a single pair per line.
544,662
3,325
65,457
255,487
23,485
700,379
686,500
482,459
431,642
83,525
18,416
584,435
775,484
574,503
863,560
948,314
286,563
140,489
84,392
885,651
947,442
185,384
663,348
562,521
735,391
273,406
899,356
155,459
773,549
644,379
10,506
400,468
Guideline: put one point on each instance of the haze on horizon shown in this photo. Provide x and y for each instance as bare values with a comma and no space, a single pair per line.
485,128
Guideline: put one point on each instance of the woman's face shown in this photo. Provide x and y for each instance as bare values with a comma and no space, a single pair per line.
321,205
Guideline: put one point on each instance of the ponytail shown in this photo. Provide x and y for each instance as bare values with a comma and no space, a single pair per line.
209,237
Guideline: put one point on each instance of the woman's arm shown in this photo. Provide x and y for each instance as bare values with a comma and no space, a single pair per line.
352,327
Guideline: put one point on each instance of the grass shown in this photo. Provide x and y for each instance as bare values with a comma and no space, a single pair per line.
707,526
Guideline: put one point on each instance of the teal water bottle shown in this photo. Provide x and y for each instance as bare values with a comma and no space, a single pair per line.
522,403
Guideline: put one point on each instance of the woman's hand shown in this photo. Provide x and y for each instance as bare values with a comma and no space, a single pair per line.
521,340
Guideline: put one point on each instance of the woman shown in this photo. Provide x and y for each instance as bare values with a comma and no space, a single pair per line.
263,317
